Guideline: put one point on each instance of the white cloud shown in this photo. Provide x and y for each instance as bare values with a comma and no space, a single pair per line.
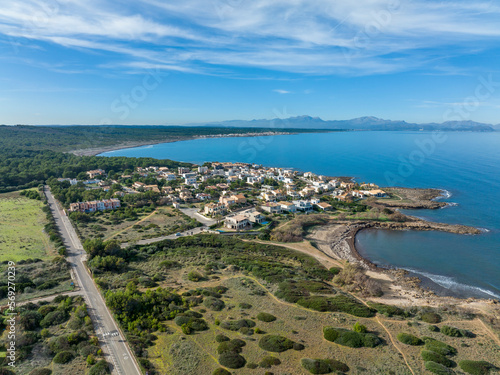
279,91
316,37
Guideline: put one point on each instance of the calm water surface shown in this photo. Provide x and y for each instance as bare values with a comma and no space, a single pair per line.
465,164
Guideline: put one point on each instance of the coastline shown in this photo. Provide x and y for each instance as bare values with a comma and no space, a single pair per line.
95,151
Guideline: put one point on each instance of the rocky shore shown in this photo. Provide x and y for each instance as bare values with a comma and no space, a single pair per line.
408,198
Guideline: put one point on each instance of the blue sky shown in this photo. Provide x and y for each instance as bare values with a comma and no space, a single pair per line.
176,62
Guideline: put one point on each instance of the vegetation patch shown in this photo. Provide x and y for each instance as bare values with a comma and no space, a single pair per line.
265,317
221,371
455,332
213,303
428,355
438,346
232,360
476,367
269,361
409,339
351,339
338,303
431,317
323,366
236,325
437,368
277,344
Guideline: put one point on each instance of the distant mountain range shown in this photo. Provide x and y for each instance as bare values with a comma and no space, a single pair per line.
361,123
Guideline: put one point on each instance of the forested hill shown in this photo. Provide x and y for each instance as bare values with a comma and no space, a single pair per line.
68,138
31,154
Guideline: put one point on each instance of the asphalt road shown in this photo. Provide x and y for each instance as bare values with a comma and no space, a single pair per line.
113,343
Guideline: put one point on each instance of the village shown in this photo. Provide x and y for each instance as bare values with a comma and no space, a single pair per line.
236,195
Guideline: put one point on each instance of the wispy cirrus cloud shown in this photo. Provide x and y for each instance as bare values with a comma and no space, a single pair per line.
319,37
280,91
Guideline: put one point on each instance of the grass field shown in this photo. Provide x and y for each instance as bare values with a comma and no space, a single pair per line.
21,229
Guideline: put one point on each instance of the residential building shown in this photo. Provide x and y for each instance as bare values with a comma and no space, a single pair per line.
203,196
95,172
182,170
272,207
213,209
288,206
238,222
323,206
190,180
202,169
138,185
93,206
304,206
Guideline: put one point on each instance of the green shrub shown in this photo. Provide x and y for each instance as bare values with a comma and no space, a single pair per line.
323,366
476,367
387,310
41,371
194,276
221,371
409,339
231,346
277,344
63,357
428,355
359,328
438,346
265,317
232,360
245,306
100,368
451,331
431,317
350,338
213,303
340,303
269,361
53,318
235,325
190,323
221,338
434,328
438,369
252,365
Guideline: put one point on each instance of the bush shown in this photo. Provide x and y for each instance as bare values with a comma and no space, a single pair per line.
195,276
476,367
438,346
350,338
431,317
100,368
438,369
431,356
63,357
434,328
221,371
359,328
231,346
408,339
41,371
387,310
269,361
53,318
338,303
323,366
221,338
213,303
232,360
265,317
451,331
244,306
235,325
277,344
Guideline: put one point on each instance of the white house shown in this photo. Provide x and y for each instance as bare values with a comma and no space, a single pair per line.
238,222
288,206
304,206
271,207
190,180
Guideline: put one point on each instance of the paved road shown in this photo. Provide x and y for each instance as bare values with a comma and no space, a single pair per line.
114,345
193,213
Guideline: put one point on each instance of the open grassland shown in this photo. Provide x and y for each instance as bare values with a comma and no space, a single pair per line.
21,229
180,301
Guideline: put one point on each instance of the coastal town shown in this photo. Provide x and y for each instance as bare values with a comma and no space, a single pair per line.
236,194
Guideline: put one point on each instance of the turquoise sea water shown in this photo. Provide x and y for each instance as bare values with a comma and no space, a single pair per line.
465,164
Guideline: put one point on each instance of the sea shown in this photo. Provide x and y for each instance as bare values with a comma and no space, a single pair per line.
464,165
